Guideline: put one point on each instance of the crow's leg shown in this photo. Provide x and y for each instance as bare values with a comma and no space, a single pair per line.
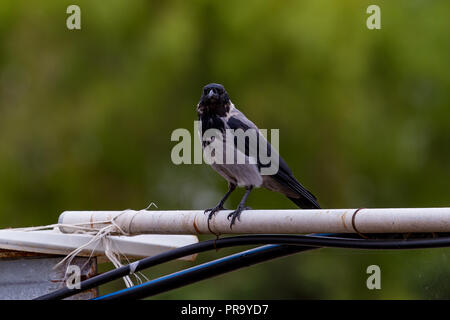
213,211
236,213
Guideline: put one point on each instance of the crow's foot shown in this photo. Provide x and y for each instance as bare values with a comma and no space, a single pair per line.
236,214
214,210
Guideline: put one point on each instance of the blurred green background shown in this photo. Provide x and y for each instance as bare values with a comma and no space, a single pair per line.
86,118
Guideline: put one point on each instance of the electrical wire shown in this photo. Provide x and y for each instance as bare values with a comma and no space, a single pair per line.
204,271
336,241
218,267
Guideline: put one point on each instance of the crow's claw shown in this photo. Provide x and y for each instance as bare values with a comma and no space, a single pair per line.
236,215
213,211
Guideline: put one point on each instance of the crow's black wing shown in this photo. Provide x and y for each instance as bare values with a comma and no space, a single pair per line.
284,175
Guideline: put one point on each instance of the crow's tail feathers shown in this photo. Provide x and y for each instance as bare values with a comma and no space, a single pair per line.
305,203
304,199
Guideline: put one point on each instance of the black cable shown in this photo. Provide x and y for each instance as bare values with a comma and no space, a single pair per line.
214,268
204,271
296,240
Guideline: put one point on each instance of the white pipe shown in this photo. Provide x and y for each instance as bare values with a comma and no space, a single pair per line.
400,220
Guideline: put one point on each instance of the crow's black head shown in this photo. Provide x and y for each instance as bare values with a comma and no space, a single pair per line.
214,100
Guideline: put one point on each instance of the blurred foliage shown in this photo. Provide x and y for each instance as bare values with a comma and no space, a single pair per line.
86,118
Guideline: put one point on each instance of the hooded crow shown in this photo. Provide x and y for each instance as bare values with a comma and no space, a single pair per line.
217,114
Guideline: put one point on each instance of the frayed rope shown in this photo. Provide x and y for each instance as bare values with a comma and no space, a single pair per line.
100,235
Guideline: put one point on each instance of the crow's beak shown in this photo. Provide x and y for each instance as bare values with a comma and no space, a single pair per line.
211,94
